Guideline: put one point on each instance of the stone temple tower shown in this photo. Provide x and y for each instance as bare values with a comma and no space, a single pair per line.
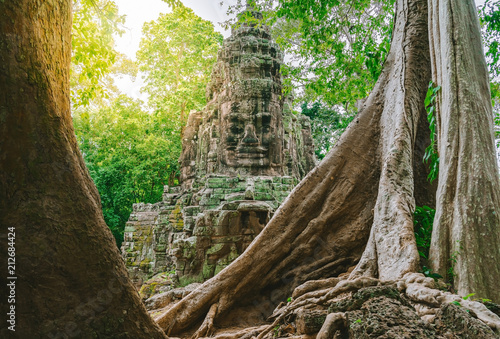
243,129
241,156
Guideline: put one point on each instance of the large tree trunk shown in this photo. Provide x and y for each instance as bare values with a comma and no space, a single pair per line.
326,223
71,281
466,236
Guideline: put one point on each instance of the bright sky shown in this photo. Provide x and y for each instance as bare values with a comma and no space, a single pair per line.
139,12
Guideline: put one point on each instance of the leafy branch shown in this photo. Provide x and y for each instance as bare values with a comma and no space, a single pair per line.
431,155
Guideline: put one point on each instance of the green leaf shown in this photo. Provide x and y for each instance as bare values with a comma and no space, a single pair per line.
177,54
436,276
468,296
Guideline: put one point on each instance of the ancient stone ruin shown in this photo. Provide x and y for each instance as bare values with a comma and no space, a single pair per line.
241,156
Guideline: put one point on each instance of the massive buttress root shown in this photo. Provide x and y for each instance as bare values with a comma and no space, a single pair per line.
324,225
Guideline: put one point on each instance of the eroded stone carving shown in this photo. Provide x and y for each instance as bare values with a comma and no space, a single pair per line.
242,129
241,156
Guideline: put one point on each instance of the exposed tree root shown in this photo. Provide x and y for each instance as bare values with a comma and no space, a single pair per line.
314,285
422,290
207,328
320,297
242,334
366,184
422,293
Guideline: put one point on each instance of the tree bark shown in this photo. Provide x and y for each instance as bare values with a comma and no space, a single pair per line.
466,236
326,223
71,281
391,250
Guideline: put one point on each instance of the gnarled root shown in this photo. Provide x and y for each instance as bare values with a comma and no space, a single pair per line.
320,297
207,328
421,292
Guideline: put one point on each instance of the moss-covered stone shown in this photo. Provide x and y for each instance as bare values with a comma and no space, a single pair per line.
459,321
358,298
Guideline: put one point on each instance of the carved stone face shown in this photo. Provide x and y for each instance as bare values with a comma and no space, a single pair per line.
247,134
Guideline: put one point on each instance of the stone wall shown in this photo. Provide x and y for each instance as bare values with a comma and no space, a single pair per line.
200,231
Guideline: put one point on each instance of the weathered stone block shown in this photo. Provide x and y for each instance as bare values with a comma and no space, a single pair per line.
235,197
209,201
309,321
288,180
191,210
218,196
230,205
217,183
263,196
203,231
208,271
254,206
189,223
129,229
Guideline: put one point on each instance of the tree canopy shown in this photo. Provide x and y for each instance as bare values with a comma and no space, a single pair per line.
130,154
130,148
339,48
327,126
93,50
176,55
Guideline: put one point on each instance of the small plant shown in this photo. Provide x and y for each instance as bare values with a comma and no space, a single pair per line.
468,296
289,299
276,330
428,273
423,219
431,156
456,303
453,261
358,321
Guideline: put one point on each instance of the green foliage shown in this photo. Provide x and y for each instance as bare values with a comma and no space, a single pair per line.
276,330
173,3
338,47
327,126
428,273
423,220
130,155
176,54
468,296
453,261
431,155
489,16
93,53
336,51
